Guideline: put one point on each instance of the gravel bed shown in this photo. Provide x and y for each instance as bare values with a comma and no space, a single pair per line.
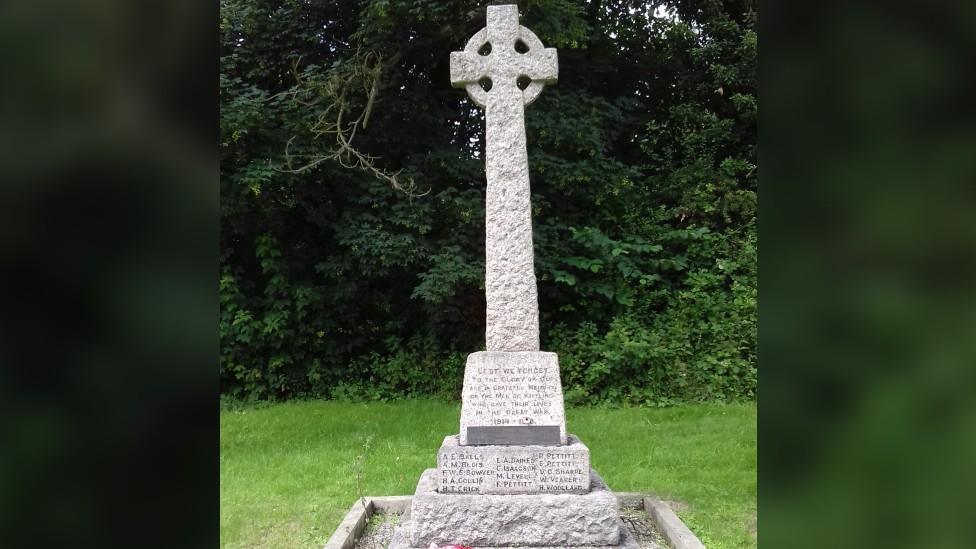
379,531
643,528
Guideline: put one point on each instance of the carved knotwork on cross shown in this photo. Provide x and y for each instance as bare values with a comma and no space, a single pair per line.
504,67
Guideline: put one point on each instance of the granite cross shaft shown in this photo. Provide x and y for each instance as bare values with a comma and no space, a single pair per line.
504,67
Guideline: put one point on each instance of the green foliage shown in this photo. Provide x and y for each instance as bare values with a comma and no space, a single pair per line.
339,279
665,342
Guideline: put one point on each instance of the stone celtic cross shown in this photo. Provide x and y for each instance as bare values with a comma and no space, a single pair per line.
504,67
512,476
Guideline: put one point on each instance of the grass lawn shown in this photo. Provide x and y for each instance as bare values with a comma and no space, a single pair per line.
288,471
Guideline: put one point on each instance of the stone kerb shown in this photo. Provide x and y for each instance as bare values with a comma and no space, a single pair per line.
512,389
529,469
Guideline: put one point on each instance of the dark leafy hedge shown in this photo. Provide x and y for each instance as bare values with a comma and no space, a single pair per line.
357,271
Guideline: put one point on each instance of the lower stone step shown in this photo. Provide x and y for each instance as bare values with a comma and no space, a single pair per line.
401,540
479,520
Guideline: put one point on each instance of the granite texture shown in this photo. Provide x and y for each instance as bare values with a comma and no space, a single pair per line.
504,64
512,388
510,284
401,540
506,520
513,469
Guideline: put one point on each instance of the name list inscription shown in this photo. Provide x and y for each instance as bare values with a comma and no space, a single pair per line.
514,471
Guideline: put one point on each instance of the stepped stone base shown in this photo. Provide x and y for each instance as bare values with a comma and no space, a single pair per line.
513,469
476,520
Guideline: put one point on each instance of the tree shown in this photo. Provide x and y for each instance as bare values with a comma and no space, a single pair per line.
352,198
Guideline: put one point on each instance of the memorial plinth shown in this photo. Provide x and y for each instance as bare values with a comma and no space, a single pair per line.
512,389
512,476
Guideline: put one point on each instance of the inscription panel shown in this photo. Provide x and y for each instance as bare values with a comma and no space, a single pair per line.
513,469
512,389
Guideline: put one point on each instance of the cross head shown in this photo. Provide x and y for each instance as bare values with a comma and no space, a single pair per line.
504,56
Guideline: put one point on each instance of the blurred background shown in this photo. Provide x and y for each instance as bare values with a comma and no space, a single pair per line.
108,233
867,269
114,242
